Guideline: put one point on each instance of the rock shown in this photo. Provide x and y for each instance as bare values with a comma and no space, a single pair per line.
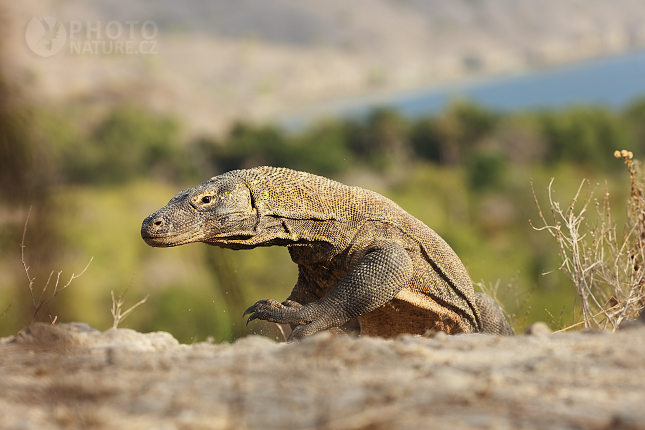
538,329
72,376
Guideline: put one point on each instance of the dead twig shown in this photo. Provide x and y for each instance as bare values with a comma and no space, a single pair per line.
117,304
41,301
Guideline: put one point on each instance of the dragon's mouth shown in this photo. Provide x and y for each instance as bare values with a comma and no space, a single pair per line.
168,240
163,232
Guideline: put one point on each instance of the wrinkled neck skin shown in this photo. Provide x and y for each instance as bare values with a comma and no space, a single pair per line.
254,232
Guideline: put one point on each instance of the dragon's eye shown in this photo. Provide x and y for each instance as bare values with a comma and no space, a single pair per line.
206,199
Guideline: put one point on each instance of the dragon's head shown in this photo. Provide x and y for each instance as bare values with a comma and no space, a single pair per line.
217,209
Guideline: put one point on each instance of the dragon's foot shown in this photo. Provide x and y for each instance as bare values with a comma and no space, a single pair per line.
288,312
304,319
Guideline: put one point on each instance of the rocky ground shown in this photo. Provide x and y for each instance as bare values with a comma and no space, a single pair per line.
73,376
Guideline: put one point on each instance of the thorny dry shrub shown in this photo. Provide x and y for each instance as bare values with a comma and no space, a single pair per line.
607,269
41,301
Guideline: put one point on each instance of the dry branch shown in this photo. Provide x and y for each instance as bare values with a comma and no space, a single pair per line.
117,304
41,301
607,270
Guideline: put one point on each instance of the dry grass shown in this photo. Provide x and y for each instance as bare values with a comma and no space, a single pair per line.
605,266
41,302
117,304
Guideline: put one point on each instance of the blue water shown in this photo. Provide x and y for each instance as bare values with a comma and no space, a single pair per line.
610,81
613,82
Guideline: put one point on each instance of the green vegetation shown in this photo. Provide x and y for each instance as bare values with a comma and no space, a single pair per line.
465,172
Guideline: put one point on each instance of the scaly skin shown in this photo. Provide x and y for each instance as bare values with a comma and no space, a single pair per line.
361,258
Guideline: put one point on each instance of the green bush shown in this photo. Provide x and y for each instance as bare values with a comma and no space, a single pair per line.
321,149
246,146
583,135
130,143
486,170
635,116
461,128
426,139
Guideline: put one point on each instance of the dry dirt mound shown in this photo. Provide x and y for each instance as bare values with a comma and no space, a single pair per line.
72,376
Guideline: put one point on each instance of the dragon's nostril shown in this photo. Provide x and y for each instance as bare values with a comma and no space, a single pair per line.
158,223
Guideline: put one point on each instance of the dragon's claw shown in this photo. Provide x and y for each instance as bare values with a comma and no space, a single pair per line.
263,304
289,312
254,316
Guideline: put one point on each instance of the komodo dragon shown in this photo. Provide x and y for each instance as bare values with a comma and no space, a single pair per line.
361,258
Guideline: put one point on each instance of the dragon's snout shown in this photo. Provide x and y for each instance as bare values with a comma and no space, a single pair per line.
153,227
164,229
152,224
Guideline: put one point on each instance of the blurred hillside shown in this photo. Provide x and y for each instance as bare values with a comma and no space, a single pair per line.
223,60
